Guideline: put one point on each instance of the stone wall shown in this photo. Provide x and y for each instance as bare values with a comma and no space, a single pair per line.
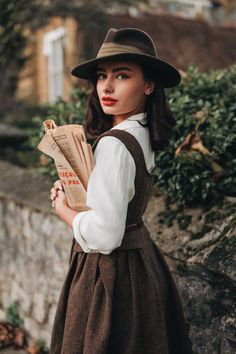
199,246
34,249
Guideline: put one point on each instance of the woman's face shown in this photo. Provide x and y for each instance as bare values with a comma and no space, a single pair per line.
122,89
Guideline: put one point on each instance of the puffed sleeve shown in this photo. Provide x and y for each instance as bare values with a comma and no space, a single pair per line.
110,188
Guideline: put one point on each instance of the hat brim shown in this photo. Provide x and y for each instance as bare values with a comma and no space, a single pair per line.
163,71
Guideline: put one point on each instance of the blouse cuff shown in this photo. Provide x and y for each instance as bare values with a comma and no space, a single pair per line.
76,229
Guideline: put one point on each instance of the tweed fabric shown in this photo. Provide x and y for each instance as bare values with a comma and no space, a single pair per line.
125,302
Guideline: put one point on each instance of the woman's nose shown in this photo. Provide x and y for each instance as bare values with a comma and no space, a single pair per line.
108,86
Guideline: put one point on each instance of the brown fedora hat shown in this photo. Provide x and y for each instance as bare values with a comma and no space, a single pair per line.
130,44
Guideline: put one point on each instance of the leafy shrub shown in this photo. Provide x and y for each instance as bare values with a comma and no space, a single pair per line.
38,346
199,165
62,113
13,316
204,103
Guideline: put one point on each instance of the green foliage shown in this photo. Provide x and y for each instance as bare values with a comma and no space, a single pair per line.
15,19
204,103
62,112
19,18
41,346
71,112
12,315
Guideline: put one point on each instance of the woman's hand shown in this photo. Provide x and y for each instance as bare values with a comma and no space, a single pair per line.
57,187
59,202
58,196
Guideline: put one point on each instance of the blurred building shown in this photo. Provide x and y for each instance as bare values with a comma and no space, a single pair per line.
56,48
214,11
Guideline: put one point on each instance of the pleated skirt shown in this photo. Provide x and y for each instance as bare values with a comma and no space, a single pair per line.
122,303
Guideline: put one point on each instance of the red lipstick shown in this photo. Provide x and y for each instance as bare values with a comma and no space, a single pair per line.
108,101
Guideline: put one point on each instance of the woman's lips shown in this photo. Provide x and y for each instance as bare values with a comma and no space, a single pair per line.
108,101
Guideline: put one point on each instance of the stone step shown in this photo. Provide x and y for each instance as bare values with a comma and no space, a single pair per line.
12,351
10,135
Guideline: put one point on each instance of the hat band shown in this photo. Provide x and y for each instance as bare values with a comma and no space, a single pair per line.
108,49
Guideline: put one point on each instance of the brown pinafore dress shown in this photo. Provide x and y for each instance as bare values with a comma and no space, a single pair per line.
125,302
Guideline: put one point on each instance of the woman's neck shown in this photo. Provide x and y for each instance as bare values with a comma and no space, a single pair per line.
120,118
117,120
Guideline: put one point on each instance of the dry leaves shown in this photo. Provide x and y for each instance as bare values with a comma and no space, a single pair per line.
11,335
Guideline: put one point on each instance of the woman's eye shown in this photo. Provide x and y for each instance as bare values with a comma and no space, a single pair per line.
122,76
100,76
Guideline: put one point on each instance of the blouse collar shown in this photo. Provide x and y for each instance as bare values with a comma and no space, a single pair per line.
141,117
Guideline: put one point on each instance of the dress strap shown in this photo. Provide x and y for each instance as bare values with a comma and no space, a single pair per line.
143,179
130,142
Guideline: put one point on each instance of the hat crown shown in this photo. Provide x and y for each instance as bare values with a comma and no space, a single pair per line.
131,44
132,37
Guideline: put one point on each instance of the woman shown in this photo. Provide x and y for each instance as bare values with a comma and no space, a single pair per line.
119,296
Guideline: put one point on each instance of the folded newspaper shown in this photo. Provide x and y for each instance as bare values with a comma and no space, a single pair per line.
73,158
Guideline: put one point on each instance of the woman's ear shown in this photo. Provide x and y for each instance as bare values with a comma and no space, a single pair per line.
150,86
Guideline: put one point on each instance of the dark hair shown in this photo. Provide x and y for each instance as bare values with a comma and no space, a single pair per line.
159,117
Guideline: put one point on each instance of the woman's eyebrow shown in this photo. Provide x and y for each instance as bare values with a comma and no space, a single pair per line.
121,69
116,69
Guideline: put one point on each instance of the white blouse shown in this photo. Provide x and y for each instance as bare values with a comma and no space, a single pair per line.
111,188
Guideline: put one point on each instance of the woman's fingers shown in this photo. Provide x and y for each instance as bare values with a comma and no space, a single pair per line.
58,185
54,191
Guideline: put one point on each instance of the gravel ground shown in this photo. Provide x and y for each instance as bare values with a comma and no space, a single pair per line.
12,351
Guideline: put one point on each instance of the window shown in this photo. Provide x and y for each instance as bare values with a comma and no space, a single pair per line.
53,48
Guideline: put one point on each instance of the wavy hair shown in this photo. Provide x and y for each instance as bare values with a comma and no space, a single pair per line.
159,116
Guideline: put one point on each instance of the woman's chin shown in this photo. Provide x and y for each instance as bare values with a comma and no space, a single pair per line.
110,110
